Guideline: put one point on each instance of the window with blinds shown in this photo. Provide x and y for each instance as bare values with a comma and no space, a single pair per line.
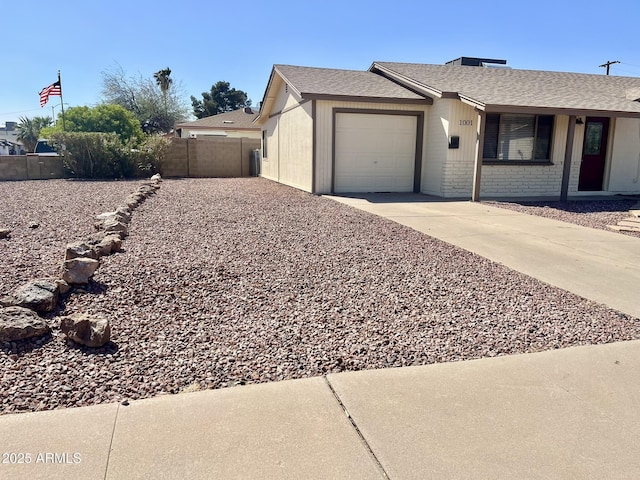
518,138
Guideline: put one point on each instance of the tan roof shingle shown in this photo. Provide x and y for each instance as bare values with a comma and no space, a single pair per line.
236,119
524,88
318,82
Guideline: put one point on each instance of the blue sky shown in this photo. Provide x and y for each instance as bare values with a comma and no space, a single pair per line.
206,41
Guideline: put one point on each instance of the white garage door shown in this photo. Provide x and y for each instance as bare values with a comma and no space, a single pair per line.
374,152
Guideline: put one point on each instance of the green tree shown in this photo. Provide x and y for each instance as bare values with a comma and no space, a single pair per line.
222,98
30,129
102,118
157,104
164,82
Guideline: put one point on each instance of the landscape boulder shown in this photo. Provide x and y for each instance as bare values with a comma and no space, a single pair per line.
40,295
133,200
124,212
109,244
79,270
156,177
120,215
114,226
63,287
18,323
83,329
147,190
5,233
80,250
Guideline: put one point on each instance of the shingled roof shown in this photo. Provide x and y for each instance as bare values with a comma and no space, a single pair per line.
234,120
311,82
495,88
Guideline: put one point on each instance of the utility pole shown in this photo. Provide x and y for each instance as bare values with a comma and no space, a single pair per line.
608,64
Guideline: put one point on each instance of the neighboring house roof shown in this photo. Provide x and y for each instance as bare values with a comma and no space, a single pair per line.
492,89
241,119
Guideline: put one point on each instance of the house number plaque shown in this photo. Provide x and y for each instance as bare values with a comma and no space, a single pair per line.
466,123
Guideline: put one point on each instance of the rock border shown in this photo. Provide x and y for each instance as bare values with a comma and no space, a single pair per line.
81,261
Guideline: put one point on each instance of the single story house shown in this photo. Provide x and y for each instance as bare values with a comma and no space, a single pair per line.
452,130
234,124
11,148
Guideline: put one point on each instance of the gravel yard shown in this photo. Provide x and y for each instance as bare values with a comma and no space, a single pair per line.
224,282
64,211
588,213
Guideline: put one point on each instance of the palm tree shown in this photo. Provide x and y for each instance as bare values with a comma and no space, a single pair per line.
29,130
164,82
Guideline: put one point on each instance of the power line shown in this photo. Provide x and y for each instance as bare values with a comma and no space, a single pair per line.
628,68
617,70
21,111
630,64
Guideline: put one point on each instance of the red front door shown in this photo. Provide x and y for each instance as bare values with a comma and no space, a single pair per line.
594,153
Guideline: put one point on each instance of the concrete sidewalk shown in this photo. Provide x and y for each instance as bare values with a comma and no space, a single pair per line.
569,413
599,265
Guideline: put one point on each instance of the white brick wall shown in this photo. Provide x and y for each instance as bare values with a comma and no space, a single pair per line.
503,180
521,180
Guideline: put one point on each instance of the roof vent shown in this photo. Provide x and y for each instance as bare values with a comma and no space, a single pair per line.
494,65
248,110
227,121
477,62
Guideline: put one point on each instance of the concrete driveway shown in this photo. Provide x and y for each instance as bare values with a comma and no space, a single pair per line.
595,264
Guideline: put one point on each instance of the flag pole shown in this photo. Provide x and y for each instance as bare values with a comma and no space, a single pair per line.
61,100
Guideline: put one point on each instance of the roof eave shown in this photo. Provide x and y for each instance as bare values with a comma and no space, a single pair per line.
268,100
355,98
496,108
286,80
216,128
265,98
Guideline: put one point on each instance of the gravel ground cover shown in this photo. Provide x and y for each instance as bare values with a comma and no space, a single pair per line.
231,281
64,211
588,213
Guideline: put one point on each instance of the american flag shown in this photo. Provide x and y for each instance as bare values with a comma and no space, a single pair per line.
53,89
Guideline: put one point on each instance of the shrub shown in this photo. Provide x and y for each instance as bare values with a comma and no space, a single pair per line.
94,155
148,157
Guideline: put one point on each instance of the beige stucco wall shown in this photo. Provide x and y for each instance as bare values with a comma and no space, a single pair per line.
289,136
269,162
324,134
296,147
624,174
